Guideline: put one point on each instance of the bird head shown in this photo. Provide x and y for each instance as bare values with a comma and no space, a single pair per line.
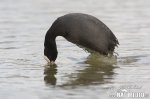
50,55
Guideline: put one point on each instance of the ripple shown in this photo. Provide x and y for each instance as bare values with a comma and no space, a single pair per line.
23,25
9,48
7,42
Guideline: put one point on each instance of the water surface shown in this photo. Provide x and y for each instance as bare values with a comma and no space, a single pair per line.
77,75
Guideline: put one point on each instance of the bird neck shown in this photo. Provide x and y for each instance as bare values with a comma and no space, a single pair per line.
50,45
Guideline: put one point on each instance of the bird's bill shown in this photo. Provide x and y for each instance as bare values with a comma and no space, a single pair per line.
48,61
45,57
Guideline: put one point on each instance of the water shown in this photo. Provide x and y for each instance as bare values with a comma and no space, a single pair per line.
23,70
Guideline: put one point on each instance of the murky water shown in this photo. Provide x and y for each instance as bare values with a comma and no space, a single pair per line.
77,75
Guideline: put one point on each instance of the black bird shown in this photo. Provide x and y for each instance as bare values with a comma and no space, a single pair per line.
83,30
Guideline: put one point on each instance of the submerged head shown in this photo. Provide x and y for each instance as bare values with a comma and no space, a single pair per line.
50,55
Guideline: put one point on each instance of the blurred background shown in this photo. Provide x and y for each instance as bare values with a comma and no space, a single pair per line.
77,75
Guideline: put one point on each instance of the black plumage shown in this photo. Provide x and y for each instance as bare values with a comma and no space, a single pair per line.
81,29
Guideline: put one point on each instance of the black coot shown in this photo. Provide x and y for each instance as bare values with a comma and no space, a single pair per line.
81,29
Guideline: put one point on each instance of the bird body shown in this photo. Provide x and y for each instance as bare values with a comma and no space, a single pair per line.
81,29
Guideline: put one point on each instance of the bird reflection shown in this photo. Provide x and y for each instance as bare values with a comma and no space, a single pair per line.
50,72
95,72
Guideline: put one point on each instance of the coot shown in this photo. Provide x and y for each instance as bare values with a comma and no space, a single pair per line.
83,30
